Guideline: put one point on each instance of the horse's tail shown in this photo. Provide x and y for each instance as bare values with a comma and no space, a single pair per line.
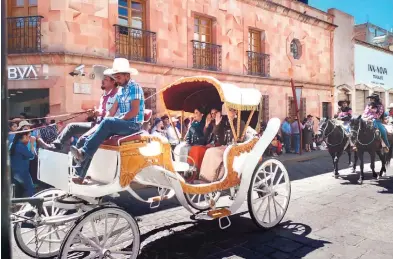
388,156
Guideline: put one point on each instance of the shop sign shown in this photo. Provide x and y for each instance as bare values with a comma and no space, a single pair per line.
373,67
27,72
82,88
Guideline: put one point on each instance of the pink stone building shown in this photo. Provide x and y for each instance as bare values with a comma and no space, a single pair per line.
250,43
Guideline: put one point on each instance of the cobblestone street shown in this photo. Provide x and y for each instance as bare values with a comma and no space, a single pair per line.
327,218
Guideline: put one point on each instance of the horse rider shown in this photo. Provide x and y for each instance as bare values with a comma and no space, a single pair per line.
375,112
389,114
344,114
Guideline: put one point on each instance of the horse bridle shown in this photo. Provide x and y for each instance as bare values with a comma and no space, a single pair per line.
357,135
324,136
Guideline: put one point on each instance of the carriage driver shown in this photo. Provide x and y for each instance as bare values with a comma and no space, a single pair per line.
375,112
131,104
344,113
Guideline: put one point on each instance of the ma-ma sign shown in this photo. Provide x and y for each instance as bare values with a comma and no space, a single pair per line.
27,72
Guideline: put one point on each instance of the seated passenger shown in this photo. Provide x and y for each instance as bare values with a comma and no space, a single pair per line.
212,166
195,139
131,104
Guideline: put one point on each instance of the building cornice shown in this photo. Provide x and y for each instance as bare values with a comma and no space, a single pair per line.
372,46
63,58
272,6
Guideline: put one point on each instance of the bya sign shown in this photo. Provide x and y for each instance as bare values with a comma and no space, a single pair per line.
27,72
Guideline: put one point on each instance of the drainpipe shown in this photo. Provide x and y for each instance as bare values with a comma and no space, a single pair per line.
5,175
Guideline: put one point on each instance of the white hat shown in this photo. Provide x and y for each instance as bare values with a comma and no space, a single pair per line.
174,119
120,65
23,123
390,106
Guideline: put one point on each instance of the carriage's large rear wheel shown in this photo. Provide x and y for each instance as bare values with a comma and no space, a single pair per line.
269,193
104,232
49,236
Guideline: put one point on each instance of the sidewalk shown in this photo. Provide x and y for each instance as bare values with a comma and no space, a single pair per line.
303,157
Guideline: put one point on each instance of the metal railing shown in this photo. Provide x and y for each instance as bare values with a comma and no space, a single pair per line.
24,34
258,64
135,44
206,56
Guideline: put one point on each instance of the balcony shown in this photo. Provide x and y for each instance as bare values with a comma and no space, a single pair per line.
135,44
24,34
206,56
258,64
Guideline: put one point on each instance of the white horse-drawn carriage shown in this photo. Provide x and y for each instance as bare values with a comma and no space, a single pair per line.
75,221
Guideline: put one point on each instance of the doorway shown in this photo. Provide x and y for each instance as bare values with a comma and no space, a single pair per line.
33,102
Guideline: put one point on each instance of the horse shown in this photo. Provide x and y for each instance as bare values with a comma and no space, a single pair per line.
366,139
337,141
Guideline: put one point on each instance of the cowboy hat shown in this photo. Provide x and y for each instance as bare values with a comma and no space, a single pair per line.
340,103
23,123
373,96
390,106
120,65
175,119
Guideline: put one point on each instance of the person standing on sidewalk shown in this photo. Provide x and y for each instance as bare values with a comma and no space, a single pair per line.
286,134
296,134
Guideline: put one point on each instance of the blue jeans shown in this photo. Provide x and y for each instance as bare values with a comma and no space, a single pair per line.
24,178
378,124
287,143
296,140
108,127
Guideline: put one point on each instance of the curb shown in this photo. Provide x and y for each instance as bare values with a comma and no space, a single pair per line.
304,156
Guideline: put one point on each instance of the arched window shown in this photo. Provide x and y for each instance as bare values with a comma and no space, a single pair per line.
296,49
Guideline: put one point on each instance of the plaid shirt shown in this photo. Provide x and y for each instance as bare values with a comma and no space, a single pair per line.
48,134
125,95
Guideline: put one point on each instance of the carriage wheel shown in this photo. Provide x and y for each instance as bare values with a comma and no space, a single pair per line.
269,193
49,236
203,202
104,232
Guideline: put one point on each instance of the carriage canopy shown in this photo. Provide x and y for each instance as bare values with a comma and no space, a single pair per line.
188,93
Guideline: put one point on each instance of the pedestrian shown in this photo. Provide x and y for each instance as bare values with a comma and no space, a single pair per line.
296,134
286,134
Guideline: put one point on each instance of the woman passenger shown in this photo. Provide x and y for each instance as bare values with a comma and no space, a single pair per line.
212,166
196,139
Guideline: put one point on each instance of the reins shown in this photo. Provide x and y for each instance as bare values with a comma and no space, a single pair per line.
76,114
331,132
357,136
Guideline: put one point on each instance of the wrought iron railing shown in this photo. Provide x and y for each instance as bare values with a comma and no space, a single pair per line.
24,34
206,55
258,64
135,44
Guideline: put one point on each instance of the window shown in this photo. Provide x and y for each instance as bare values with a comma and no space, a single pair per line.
132,14
133,41
206,55
202,29
296,49
22,8
254,41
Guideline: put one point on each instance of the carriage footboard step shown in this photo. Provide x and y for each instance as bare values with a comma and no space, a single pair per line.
156,200
219,213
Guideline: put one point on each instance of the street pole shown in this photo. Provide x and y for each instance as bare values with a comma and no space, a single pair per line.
298,117
5,170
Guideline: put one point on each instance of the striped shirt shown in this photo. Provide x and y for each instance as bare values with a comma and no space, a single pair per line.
125,95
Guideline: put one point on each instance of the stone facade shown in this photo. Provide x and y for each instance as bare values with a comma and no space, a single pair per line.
81,32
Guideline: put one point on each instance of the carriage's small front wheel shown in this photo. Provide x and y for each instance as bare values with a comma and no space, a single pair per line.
269,193
104,232
203,202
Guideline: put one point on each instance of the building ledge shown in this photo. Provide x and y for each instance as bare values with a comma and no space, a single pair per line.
272,6
360,42
64,58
